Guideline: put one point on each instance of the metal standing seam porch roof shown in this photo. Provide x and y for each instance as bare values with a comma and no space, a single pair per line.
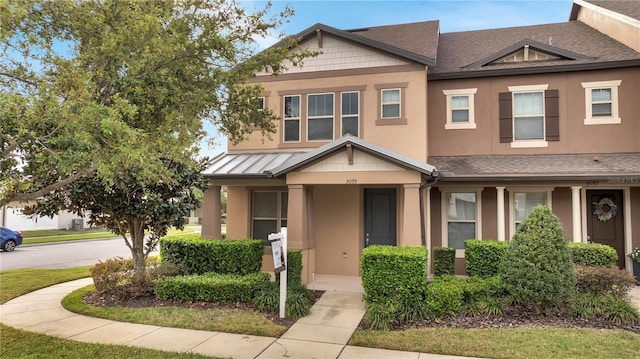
276,164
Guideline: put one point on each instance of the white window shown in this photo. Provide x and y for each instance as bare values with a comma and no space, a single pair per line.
601,100
390,103
461,212
528,116
350,120
320,117
268,213
261,103
460,109
523,201
292,118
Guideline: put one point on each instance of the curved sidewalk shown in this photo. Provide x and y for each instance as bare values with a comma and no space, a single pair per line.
322,334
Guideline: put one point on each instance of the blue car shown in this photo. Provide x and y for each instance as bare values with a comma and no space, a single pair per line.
9,239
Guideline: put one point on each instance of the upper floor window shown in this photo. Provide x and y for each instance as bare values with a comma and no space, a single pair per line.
460,109
529,116
601,100
320,117
262,103
292,118
350,120
391,103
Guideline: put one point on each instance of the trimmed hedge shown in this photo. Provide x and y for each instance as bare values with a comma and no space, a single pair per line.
390,272
593,254
212,287
482,257
294,267
194,255
444,261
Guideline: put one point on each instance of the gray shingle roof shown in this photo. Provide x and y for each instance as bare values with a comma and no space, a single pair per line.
459,52
527,167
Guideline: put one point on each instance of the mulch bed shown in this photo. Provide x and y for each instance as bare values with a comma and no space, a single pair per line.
513,317
147,298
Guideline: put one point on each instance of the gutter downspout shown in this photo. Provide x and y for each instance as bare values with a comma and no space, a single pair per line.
436,177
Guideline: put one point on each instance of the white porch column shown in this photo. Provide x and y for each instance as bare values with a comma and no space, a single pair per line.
575,213
411,215
500,214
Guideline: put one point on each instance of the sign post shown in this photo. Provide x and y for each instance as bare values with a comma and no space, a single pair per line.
279,250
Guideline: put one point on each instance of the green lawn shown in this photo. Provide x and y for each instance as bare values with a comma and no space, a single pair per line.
535,343
57,235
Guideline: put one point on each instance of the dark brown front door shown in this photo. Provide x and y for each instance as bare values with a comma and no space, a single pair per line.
380,216
605,220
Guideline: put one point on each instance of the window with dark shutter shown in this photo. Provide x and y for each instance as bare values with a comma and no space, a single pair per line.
506,117
552,115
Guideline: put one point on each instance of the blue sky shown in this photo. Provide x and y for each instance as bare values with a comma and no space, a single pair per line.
454,16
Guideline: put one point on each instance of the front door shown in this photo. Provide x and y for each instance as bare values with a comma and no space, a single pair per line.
380,216
605,220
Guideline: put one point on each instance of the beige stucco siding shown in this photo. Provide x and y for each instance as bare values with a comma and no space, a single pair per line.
408,139
575,136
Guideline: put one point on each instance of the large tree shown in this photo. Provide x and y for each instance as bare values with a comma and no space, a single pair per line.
104,85
103,100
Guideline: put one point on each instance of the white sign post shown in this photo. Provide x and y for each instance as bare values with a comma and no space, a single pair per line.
279,250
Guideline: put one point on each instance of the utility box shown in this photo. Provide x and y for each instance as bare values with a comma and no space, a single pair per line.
77,224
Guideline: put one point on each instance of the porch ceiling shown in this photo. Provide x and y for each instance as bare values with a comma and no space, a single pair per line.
619,167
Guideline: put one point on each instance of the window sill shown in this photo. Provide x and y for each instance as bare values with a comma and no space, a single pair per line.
391,121
602,121
529,144
460,126
459,253
302,144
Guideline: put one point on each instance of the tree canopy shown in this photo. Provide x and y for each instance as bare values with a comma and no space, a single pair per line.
103,86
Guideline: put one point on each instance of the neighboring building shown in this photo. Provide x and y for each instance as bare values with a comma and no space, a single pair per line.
11,216
401,135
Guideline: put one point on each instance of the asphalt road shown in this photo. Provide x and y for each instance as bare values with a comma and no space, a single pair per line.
64,255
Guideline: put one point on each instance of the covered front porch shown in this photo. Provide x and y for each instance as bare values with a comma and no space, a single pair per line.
334,201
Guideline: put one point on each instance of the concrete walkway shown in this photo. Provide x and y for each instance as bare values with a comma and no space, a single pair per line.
324,333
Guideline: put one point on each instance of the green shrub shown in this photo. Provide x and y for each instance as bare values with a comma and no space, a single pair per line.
268,297
444,261
111,273
593,254
380,315
445,295
536,268
590,304
298,303
393,273
482,257
198,256
604,280
294,267
211,287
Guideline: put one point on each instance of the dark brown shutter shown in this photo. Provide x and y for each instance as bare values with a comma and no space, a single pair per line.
552,115
506,117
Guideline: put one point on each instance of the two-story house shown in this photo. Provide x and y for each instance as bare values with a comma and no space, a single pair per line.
402,135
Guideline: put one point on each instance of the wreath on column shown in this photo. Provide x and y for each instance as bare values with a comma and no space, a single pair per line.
604,209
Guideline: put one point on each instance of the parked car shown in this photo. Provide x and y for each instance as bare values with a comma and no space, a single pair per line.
9,239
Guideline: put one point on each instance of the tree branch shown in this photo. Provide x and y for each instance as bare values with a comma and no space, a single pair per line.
50,188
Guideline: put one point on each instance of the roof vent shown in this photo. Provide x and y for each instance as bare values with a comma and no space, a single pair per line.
550,40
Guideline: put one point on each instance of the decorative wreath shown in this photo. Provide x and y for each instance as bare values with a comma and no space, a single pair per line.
600,209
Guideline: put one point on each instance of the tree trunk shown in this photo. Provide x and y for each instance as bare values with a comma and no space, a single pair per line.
137,252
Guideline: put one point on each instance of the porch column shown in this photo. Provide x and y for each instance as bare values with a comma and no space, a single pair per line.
211,213
297,217
411,215
576,210
500,214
